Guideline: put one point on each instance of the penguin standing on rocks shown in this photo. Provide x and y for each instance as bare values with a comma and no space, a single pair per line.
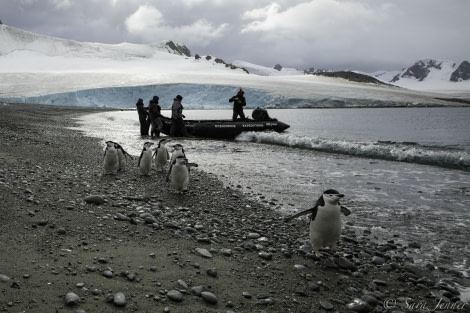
325,221
161,155
178,151
145,159
111,159
179,175
122,156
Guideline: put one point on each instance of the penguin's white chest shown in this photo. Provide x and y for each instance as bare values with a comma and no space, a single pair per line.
146,162
111,161
325,229
161,158
122,160
179,177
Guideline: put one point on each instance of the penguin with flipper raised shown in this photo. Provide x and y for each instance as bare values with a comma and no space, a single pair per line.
325,220
122,156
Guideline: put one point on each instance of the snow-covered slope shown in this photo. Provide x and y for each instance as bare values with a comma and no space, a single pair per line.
13,39
266,71
427,75
40,69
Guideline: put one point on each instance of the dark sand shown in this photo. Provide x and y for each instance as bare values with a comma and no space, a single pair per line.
52,242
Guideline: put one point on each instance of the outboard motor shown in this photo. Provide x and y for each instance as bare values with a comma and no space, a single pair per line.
260,114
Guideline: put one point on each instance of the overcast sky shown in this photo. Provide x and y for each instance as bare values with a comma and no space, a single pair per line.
366,35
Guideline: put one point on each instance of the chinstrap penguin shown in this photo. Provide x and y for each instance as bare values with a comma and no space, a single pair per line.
179,175
325,220
161,155
122,156
110,159
145,159
178,151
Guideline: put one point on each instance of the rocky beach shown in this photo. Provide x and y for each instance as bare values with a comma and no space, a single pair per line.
75,240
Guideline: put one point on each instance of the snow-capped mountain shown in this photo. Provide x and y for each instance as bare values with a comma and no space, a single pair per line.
14,39
47,70
429,74
429,69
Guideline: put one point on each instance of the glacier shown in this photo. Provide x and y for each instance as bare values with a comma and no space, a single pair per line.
45,70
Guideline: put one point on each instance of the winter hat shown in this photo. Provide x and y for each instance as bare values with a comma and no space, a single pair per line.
155,98
179,97
140,100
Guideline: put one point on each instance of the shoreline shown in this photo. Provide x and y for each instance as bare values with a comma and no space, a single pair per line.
209,250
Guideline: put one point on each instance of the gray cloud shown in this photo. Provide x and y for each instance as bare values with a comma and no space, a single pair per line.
364,35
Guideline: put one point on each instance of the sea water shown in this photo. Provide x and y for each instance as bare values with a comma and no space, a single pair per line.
405,172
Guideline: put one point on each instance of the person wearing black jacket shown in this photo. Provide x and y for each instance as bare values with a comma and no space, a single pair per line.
155,114
143,117
238,103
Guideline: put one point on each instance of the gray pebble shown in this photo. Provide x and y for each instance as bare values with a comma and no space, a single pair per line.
94,199
119,299
346,264
226,252
108,274
203,239
209,297
212,272
131,276
312,286
71,299
379,282
302,269
370,299
265,255
377,260
246,295
419,271
182,284
359,306
175,295
305,249
253,236
109,298
326,305
266,301
122,217
197,290
203,252
4,278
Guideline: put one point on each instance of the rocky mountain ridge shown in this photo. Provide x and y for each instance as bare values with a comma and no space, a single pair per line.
422,69
13,39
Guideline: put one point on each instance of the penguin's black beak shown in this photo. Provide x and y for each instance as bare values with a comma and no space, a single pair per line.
340,195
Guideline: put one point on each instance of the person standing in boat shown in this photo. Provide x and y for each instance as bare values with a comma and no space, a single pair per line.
177,125
143,117
238,103
155,114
